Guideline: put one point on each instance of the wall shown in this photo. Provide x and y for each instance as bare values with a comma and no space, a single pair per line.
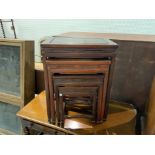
36,29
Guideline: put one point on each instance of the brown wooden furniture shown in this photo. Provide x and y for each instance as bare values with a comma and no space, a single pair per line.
18,54
78,87
39,78
149,125
121,120
72,94
84,56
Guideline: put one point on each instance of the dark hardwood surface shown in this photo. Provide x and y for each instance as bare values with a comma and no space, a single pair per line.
76,86
78,55
133,73
78,42
83,67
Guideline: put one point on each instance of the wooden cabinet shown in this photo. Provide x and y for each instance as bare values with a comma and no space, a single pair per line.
16,71
17,81
77,68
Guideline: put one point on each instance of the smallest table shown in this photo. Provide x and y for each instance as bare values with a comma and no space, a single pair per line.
121,120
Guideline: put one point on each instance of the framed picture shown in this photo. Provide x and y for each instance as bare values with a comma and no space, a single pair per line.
16,71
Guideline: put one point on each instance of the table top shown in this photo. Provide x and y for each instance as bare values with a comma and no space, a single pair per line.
83,41
36,111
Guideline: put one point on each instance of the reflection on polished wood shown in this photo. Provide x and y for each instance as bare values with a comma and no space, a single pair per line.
150,115
121,117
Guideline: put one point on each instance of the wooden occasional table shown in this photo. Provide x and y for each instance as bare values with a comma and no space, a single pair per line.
121,120
78,56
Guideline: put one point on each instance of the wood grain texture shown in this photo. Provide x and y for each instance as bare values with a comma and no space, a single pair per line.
75,55
133,73
121,118
36,111
77,67
29,72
